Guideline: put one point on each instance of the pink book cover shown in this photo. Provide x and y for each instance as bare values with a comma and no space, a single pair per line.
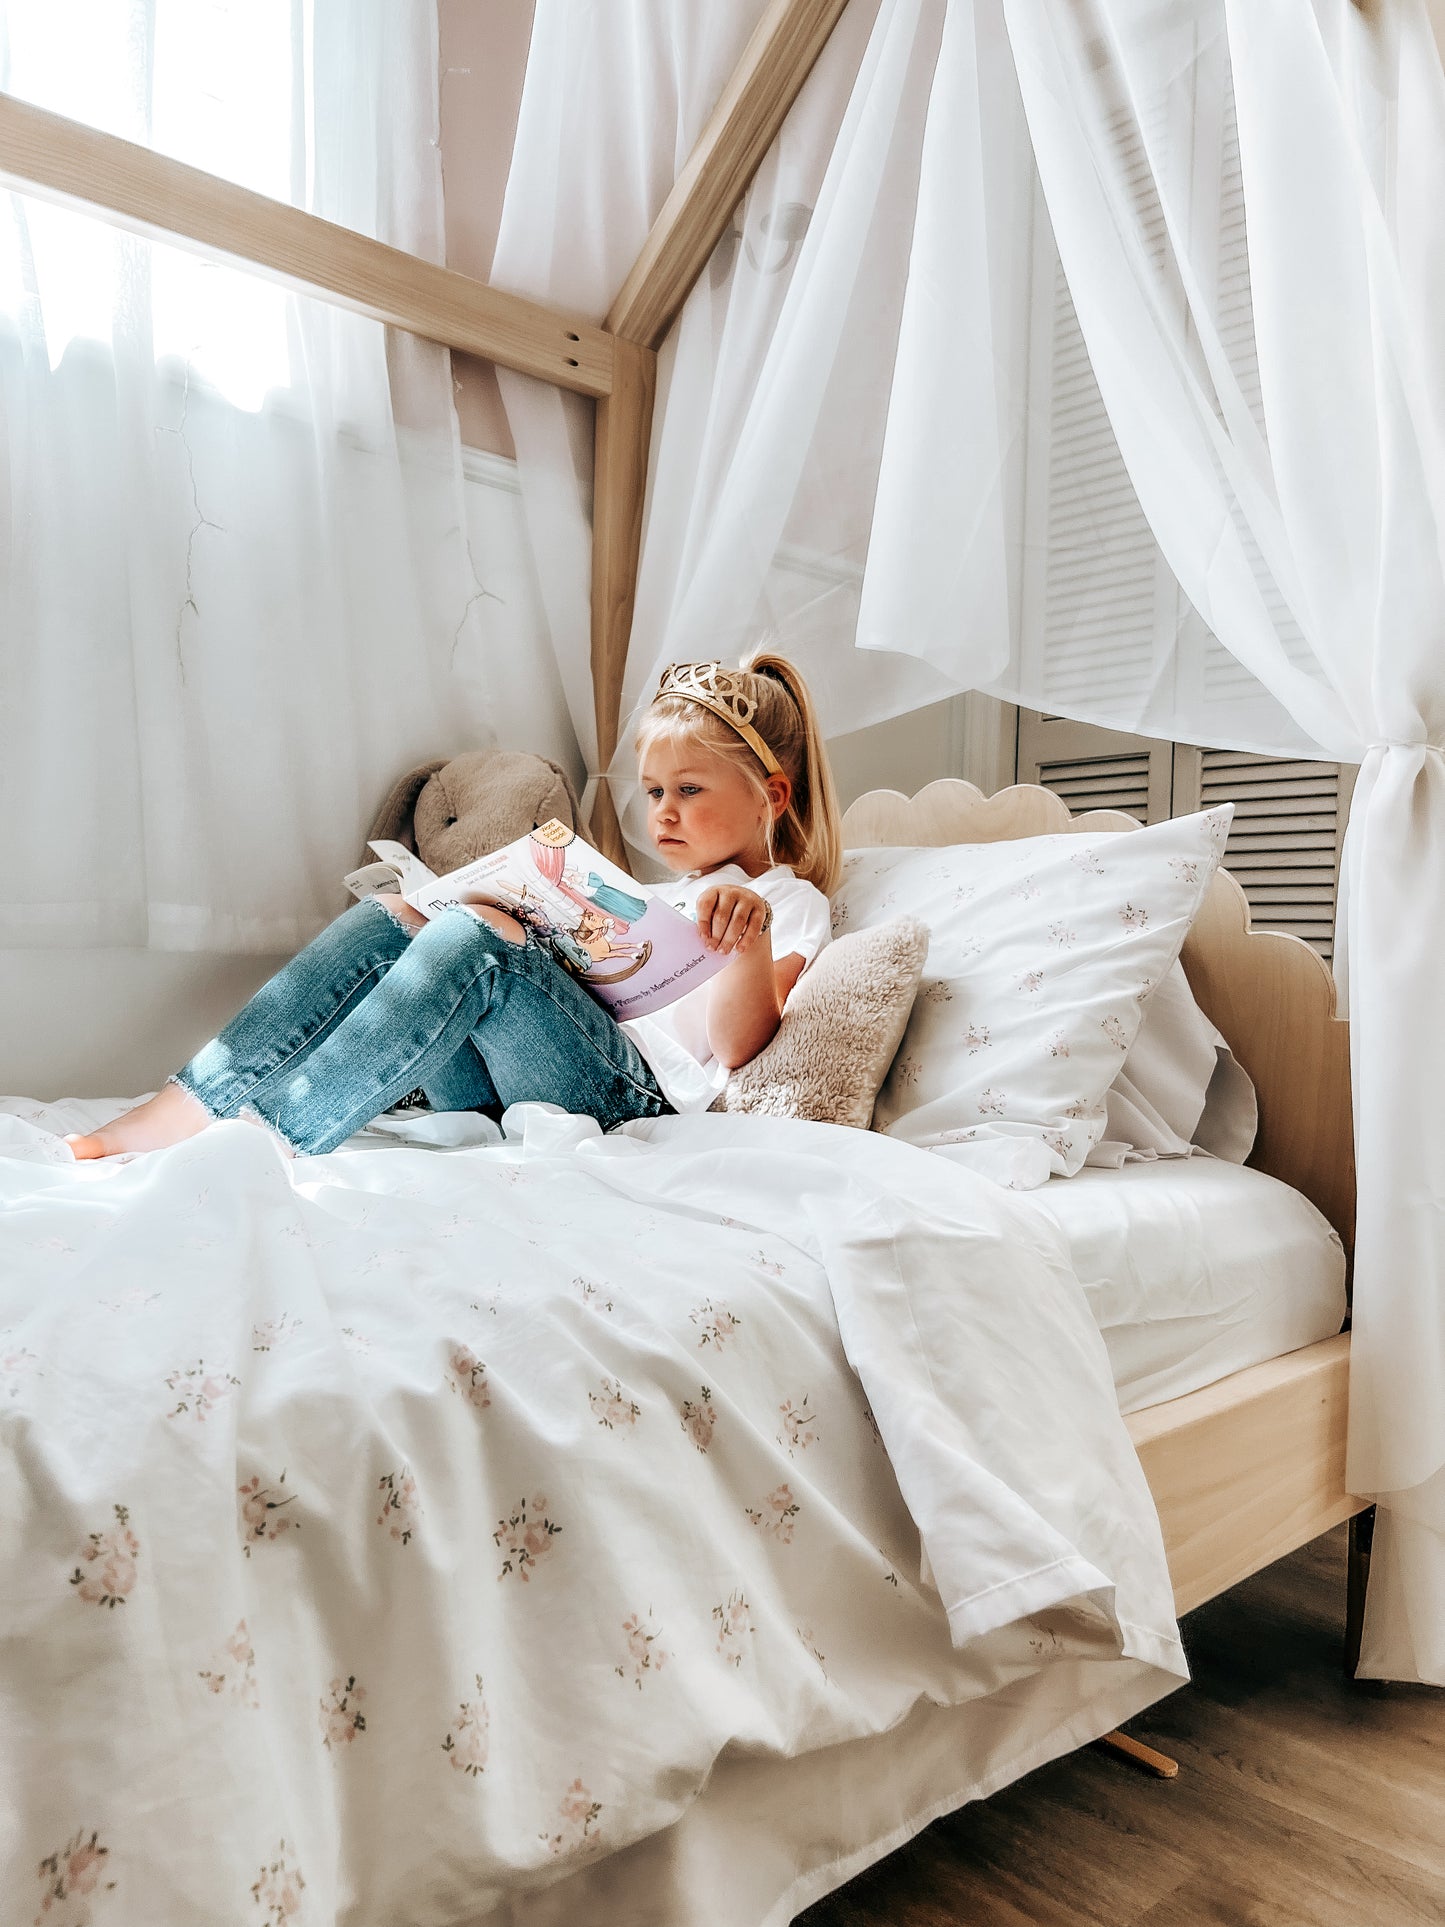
631,949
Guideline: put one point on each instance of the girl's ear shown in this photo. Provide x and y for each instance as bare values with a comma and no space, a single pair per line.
780,792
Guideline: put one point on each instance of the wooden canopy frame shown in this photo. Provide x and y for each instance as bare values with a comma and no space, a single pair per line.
61,160
1242,1471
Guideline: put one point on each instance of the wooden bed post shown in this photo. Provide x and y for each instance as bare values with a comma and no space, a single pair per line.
742,127
619,480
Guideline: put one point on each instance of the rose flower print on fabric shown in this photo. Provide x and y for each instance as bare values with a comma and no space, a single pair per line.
699,1416
106,1575
716,1323
273,1332
263,1511
277,1890
68,1877
525,1538
612,1408
580,1814
400,1505
232,1674
467,1375
466,1744
645,1651
201,1390
734,1627
776,1514
594,1296
341,1716
800,1425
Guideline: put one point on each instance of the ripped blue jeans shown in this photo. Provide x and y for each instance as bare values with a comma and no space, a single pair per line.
368,1011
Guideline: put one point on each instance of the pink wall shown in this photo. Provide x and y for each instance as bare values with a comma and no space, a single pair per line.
483,58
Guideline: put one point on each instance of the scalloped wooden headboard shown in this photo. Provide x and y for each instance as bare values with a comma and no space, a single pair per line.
1271,995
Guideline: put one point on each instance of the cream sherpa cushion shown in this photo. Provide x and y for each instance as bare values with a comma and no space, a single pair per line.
843,1024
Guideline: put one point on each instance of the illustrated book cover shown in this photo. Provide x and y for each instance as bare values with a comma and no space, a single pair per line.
629,947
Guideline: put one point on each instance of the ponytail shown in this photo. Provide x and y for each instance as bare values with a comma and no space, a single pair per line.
808,835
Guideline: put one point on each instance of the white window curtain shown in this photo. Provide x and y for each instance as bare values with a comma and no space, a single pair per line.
1222,224
235,592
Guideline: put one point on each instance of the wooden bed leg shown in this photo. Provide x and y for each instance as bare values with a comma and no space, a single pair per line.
1135,1750
1362,1534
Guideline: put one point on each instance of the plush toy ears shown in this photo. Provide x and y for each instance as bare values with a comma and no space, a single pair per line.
394,820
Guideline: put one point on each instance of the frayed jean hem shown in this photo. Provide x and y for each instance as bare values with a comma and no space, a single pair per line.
247,1113
250,1115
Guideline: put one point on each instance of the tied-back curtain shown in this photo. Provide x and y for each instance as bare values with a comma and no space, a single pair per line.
235,592
1294,474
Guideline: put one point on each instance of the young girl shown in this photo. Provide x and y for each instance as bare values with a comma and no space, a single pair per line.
471,1008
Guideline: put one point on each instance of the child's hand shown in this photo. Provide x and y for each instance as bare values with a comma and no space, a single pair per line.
732,919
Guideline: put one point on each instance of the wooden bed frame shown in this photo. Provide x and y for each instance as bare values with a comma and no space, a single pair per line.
1251,1467
1244,1471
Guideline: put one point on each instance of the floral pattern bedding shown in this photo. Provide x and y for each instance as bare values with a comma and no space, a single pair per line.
391,1536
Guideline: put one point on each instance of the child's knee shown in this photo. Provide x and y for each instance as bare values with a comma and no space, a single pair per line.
469,924
456,932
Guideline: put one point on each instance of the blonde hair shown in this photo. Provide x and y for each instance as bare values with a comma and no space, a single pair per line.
807,834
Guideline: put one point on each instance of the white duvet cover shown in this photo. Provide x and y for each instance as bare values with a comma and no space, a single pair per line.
408,1538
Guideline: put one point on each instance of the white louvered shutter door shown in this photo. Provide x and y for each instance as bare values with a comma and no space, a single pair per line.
1095,769
1099,605
1284,845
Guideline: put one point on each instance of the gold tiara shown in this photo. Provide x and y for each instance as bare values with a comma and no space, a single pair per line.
717,689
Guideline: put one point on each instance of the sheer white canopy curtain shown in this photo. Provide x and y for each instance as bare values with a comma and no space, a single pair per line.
1289,454
1084,354
235,592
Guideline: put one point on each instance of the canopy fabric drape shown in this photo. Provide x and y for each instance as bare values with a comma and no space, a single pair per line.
235,593
1081,355
1306,523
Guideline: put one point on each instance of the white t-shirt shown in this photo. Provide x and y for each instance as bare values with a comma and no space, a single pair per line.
674,1041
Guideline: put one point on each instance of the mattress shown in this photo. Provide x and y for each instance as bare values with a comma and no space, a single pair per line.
1195,1268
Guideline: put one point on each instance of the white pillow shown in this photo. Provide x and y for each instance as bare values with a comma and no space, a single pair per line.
1044,953
1180,1088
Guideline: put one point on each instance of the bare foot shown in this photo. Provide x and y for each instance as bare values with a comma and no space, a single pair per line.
166,1118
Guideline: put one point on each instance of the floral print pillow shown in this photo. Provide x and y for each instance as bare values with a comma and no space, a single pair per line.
1043,954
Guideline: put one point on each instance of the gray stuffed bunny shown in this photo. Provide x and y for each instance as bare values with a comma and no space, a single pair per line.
458,808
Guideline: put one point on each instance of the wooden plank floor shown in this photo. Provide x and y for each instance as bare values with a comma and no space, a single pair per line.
1302,1800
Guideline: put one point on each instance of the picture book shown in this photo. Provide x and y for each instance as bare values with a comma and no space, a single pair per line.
628,946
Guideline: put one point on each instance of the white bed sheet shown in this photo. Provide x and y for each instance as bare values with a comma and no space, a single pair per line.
270,1608
1194,1268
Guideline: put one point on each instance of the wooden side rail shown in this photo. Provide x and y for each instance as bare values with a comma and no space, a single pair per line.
1248,1469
